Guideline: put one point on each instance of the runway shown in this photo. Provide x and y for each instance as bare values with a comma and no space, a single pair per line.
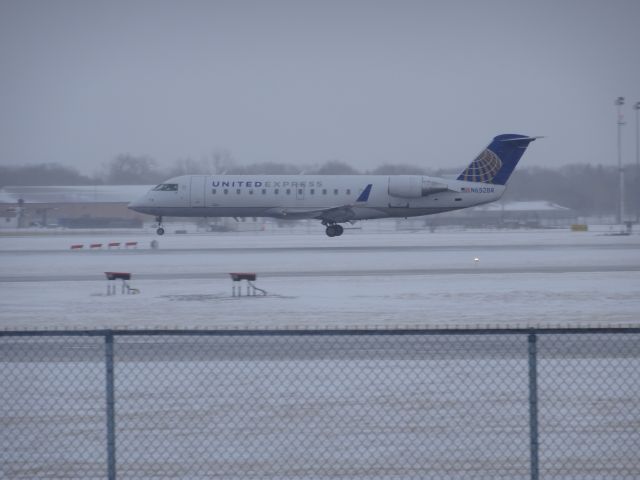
328,248
61,277
459,278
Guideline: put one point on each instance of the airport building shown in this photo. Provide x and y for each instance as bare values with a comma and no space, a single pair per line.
100,206
529,214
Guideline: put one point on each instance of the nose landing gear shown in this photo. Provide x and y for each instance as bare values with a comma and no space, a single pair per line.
159,230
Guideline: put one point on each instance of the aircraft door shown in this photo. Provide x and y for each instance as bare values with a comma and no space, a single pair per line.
196,196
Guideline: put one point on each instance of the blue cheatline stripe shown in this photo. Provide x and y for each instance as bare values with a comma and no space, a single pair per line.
364,196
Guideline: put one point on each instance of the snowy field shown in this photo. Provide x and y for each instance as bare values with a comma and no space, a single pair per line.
360,279
303,407
324,406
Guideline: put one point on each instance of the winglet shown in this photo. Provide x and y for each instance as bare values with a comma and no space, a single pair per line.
364,196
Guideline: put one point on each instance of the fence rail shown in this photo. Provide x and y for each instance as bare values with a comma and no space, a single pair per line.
383,404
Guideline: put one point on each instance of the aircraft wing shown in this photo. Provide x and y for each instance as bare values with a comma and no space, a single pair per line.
339,214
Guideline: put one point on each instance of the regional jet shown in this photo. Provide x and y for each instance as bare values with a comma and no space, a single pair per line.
336,199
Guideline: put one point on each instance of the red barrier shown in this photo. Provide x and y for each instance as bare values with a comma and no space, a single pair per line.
236,277
114,244
96,245
77,246
131,244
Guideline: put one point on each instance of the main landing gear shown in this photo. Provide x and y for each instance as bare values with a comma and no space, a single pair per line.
334,230
159,230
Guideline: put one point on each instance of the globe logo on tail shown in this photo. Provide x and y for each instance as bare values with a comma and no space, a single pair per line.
483,169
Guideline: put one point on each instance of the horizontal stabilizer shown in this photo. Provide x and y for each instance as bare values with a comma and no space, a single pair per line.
519,139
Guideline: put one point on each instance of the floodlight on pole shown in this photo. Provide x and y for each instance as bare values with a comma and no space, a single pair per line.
620,214
636,107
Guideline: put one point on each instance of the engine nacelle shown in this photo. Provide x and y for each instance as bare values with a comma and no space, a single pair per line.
405,186
413,186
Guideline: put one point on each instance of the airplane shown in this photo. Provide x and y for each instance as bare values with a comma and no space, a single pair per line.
336,199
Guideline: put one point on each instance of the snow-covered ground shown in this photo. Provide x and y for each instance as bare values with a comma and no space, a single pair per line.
368,279
305,407
357,406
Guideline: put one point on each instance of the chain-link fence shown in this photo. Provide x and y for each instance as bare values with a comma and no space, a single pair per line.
321,404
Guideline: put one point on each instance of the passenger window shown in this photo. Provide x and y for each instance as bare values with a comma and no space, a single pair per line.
226,190
264,191
213,191
276,191
288,191
312,191
335,191
250,192
324,191
237,191
348,191
299,191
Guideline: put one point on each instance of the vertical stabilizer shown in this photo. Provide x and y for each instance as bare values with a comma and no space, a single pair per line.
496,162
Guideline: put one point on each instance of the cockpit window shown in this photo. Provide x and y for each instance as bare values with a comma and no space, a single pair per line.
166,187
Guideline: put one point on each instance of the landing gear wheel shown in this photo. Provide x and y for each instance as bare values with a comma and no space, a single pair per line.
334,230
160,230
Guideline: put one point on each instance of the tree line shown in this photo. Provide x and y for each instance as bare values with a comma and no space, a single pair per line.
587,189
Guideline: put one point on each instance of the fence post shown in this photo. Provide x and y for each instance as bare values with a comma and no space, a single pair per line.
533,405
111,419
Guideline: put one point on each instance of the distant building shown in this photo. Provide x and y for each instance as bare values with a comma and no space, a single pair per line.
96,206
100,206
534,214
531,214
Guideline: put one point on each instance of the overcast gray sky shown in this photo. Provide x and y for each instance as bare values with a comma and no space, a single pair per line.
366,82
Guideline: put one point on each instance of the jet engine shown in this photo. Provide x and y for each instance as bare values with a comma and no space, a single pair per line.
413,186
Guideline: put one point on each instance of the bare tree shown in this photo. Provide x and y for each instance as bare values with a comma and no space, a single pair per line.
220,161
389,169
267,168
127,169
42,174
335,167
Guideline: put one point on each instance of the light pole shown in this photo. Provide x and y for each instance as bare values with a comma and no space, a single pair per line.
620,215
636,107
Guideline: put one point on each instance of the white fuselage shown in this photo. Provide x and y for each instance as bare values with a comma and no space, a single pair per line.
338,198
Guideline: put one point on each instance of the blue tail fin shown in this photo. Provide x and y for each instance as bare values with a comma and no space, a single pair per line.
496,163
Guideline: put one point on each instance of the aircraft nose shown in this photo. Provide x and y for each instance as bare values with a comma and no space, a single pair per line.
137,204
